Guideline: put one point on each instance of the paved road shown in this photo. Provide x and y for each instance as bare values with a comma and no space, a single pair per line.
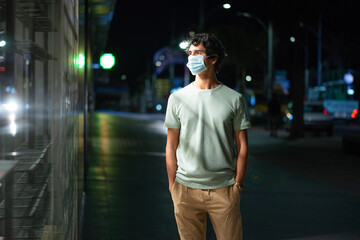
302,189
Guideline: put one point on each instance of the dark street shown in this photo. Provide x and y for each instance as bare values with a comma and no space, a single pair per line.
85,86
294,189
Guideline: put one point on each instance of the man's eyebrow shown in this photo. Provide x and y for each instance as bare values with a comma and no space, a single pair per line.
197,51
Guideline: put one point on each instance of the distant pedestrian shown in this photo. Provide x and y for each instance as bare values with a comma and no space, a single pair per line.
274,114
206,173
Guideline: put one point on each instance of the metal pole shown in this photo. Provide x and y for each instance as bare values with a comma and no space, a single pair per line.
201,16
306,63
319,73
86,93
270,58
270,32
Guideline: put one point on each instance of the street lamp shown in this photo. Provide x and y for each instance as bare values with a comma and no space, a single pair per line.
318,35
269,30
202,18
226,6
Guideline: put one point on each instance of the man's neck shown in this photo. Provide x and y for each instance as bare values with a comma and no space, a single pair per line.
206,81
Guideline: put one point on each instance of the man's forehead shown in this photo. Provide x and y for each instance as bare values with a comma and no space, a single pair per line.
198,47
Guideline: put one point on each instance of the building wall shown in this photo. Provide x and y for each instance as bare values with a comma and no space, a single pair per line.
48,87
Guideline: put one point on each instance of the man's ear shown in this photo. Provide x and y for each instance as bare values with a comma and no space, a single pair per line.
214,58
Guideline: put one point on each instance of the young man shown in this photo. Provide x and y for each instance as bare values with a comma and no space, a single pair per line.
205,173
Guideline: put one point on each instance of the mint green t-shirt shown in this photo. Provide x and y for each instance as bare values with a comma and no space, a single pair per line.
207,120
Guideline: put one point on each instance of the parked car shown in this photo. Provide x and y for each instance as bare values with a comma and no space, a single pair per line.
316,118
342,109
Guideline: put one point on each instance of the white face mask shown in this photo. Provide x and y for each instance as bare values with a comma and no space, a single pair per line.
196,64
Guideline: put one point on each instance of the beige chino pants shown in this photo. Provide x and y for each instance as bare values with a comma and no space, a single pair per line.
192,205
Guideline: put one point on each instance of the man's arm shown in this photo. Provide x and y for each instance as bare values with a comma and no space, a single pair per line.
171,160
242,149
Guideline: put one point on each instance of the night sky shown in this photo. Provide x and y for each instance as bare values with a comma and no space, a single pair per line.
140,28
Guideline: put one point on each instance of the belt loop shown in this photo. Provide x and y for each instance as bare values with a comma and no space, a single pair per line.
208,192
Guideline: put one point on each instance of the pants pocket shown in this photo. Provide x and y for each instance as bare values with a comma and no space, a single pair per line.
173,189
237,193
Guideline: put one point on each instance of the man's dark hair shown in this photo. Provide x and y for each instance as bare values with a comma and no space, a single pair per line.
212,45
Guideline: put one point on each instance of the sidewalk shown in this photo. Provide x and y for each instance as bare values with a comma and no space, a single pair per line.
320,158
301,189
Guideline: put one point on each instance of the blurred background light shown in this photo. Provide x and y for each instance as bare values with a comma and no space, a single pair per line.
81,60
158,107
12,117
226,6
289,116
322,88
184,44
348,78
175,89
95,66
252,100
13,128
13,106
2,43
354,113
292,39
107,61
350,91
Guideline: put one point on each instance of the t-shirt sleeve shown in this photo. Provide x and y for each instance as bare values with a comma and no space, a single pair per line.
241,119
171,118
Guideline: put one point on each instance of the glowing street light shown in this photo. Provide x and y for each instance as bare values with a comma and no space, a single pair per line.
107,61
203,18
348,78
226,6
